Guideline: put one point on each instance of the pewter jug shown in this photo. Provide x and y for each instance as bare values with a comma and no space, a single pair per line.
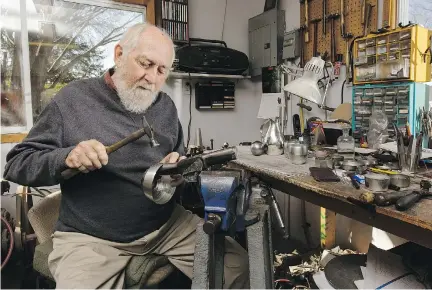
272,136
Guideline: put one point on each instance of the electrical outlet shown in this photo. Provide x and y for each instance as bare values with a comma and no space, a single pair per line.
187,88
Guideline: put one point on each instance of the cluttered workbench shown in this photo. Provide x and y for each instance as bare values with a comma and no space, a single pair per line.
414,224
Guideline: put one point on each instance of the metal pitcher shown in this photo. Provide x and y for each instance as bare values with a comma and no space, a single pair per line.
271,136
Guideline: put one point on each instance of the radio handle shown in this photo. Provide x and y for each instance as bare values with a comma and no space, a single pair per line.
207,40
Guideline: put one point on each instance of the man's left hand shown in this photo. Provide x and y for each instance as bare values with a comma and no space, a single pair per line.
173,157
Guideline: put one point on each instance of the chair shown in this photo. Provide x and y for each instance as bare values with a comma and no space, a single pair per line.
142,271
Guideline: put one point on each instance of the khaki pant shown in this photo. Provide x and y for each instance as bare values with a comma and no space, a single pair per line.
82,261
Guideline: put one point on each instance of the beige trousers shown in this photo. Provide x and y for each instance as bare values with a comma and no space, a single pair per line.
82,261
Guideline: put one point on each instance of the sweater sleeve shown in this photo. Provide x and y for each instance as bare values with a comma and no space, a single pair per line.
40,158
179,147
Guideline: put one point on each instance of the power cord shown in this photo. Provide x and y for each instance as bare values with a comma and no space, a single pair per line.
223,23
190,110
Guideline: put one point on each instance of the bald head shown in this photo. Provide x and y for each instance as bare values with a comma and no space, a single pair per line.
147,33
143,57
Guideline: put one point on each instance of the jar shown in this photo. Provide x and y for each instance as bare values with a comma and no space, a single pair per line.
298,154
346,144
287,146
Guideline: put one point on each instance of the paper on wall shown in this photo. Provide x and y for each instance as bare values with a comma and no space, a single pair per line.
269,106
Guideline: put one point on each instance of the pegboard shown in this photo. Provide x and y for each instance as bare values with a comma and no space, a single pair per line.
352,24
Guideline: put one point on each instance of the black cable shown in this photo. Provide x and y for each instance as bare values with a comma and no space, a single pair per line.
342,91
190,111
351,56
223,23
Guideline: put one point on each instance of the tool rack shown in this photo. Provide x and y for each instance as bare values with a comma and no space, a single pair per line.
353,25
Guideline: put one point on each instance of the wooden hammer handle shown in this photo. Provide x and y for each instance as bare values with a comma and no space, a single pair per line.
71,172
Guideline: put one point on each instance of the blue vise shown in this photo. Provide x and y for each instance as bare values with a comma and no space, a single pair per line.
219,190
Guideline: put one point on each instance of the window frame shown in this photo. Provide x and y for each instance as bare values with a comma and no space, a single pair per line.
15,134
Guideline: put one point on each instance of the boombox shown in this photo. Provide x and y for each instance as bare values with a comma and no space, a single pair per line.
211,58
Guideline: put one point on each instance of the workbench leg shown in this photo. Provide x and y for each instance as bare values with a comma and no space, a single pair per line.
328,228
260,250
201,267
208,268
217,250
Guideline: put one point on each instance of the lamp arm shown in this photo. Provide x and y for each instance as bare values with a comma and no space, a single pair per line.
327,85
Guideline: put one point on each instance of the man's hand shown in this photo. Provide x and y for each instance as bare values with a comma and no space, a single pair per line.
87,156
173,157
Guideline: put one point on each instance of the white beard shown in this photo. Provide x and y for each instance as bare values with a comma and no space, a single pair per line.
135,99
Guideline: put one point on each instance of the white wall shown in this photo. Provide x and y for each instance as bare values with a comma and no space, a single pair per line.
232,126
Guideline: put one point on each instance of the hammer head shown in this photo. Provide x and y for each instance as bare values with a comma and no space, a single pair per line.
333,16
149,131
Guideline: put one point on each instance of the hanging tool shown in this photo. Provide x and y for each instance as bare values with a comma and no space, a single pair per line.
332,18
302,48
315,35
306,23
392,14
363,12
347,38
324,15
342,22
409,200
147,130
367,18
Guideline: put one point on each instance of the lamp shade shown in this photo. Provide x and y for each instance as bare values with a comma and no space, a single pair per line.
306,86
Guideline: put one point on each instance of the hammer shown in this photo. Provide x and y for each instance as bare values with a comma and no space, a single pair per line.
332,18
147,130
315,35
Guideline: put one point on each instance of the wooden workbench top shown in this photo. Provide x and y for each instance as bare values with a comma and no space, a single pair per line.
279,168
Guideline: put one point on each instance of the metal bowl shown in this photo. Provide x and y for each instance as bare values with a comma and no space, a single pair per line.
377,182
351,165
258,148
400,180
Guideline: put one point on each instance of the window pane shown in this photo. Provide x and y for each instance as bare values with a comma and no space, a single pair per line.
420,11
70,41
12,100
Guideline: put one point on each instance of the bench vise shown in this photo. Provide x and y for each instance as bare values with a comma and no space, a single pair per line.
231,204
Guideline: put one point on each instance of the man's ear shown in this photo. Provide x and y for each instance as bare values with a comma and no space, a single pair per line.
118,52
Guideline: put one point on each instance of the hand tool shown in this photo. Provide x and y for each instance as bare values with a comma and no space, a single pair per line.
342,22
384,199
392,13
368,16
324,18
377,170
363,12
332,18
400,148
315,35
301,39
306,10
354,182
409,200
147,130
347,38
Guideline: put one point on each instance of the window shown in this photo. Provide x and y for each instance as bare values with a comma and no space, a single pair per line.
65,40
419,12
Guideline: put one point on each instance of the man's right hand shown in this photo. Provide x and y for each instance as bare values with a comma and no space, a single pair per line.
87,156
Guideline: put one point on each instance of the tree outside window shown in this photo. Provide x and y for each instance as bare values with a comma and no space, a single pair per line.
66,41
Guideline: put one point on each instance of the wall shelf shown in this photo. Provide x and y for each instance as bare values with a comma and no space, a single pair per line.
184,75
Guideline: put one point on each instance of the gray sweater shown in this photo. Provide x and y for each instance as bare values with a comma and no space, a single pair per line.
108,203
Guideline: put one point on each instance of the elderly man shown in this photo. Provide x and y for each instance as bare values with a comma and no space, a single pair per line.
104,216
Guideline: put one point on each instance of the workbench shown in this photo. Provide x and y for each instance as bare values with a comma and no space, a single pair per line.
414,224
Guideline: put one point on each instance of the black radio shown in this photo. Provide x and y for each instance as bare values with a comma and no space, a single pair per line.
210,58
